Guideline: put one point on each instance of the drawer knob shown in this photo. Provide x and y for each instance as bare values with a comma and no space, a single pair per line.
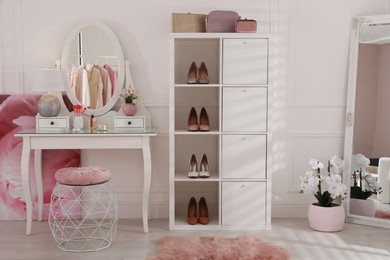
243,90
52,123
242,186
129,122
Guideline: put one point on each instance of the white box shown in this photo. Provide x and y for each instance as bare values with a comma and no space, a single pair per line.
244,203
245,61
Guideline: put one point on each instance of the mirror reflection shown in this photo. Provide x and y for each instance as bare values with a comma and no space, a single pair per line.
94,66
370,169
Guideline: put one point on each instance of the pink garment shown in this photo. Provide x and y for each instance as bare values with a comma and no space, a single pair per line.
113,77
18,113
95,86
107,88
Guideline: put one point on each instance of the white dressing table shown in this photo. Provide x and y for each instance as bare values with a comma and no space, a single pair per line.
111,139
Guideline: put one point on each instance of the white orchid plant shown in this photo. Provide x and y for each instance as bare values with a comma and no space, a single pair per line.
359,175
328,187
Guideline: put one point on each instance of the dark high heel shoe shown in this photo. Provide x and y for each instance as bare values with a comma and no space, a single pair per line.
204,124
192,77
203,74
193,124
193,168
192,214
204,171
203,212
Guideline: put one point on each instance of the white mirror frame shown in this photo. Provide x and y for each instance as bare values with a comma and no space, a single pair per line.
357,24
121,66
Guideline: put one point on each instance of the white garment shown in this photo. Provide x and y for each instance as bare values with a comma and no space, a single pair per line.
85,97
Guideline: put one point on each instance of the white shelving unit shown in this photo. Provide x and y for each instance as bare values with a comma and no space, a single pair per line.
238,102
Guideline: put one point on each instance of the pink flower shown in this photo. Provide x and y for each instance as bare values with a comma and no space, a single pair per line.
18,113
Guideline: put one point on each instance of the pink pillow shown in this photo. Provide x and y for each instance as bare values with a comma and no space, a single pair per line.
82,175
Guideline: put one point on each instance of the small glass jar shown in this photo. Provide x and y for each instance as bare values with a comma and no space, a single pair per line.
78,123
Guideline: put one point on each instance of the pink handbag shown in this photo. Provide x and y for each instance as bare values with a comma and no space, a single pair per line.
221,21
246,26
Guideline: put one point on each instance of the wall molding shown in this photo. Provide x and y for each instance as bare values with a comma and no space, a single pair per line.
305,135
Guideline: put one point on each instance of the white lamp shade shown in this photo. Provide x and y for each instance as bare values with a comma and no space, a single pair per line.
48,80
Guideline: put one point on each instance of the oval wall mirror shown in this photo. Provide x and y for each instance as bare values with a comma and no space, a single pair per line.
92,62
367,145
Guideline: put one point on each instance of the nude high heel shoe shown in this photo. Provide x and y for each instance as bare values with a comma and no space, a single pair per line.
192,77
193,124
203,74
192,212
204,124
204,171
193,167
203,212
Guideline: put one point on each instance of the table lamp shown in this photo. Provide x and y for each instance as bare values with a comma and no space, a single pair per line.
48,80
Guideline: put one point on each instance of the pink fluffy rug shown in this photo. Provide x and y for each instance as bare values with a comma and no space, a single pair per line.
218,248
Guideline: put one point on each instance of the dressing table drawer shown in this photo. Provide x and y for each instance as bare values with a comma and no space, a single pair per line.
129,122
54,124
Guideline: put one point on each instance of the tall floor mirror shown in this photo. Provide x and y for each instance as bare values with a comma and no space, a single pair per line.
367,132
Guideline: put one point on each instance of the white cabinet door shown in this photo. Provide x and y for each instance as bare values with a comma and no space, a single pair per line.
245,61
243,203
244,109
244,156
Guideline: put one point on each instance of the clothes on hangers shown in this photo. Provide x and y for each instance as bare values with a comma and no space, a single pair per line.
93,85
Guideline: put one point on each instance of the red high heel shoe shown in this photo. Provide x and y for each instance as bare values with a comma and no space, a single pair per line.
203,212
192,213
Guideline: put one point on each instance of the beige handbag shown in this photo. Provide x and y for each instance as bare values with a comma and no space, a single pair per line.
187,22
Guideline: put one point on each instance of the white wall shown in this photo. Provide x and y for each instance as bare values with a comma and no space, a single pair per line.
312,40
310,94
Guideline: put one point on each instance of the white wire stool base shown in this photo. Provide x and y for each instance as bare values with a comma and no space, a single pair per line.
83,218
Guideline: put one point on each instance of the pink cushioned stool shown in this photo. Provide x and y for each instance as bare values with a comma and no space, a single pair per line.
82,175
83,212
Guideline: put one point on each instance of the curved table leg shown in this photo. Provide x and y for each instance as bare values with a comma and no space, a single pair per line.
25,175
147,181
38,180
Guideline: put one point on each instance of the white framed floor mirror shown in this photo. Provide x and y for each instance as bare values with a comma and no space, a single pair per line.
367,129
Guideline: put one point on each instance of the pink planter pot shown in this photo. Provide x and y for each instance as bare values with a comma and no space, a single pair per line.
129,109
326,219
362,207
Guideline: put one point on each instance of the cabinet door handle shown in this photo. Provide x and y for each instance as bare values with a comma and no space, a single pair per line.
243,139
242,186
129,122
52,123
243,90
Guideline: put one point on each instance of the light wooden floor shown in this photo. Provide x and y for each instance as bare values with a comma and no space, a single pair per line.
354,242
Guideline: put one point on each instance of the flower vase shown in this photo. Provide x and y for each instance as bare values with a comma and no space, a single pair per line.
326,219
129,109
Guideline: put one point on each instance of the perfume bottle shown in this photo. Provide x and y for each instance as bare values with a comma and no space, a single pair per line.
92,122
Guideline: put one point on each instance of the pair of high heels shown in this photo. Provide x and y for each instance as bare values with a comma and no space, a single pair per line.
196,75
202,125
203,171
193,217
